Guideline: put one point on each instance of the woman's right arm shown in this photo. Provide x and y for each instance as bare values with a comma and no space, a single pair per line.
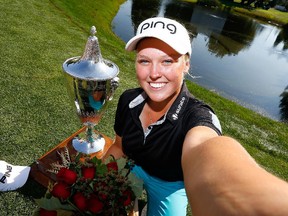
221,178
115,149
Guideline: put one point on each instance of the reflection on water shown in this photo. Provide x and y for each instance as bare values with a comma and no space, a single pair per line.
240,58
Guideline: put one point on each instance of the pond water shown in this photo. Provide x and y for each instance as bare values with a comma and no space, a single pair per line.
240,58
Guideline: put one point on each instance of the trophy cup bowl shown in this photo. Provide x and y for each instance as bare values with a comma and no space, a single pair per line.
91,83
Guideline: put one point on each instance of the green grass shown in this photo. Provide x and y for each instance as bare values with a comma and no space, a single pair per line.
271,15
36,37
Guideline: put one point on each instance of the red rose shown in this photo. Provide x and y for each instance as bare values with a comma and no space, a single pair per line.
80,201
103,195
61,190
88,172
67,175
112,166
44,212
127,198
95,205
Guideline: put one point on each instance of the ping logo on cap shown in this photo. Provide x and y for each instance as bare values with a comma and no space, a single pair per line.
171,32
159,24
6,174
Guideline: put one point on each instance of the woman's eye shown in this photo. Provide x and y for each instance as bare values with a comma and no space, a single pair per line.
167,61
143,61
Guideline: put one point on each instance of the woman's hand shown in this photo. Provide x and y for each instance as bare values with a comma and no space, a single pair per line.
115,149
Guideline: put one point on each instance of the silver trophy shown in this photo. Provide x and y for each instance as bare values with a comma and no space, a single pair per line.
91,82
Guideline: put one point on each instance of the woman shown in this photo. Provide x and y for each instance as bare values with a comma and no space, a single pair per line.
154,122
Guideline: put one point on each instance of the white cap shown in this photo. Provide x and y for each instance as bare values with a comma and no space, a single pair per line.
12,177
169,31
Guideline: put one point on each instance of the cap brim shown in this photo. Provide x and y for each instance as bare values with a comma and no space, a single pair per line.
132,43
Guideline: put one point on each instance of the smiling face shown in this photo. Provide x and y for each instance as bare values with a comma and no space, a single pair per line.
160,70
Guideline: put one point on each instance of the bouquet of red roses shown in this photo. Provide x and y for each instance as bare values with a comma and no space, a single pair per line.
87,186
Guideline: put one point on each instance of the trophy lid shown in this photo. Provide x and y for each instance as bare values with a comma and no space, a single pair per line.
91,65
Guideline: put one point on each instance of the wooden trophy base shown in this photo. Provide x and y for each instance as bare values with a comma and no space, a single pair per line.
39,168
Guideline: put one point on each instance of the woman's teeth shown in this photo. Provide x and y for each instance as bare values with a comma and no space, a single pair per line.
157,85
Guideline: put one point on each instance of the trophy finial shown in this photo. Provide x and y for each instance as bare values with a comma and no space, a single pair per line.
93,30
91,65
92,50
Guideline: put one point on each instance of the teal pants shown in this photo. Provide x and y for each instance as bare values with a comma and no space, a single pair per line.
164,198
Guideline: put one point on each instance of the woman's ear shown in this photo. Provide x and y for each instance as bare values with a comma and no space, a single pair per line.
187,63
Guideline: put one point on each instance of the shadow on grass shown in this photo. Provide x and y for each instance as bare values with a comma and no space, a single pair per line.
32,189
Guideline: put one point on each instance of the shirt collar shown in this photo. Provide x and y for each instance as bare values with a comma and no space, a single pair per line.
138,100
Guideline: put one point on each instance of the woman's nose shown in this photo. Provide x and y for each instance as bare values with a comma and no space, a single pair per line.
155,71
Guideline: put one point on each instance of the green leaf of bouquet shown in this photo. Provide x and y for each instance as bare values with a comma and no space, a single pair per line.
121,163
101,169
65,213
95,160
53,204
136,184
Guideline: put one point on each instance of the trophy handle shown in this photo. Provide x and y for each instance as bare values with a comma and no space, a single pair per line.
114,85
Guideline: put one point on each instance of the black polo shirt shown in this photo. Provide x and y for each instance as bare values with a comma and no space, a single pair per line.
158,150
